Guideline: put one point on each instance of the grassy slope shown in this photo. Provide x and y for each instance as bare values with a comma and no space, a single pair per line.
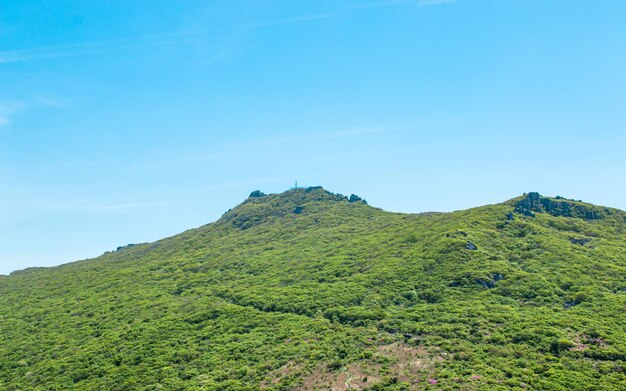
265,296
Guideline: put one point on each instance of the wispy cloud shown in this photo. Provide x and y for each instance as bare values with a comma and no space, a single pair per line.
435,2
322,136
52,101
230,150
8,110
377,4
182,37
348,9
294,19
390,3
86,48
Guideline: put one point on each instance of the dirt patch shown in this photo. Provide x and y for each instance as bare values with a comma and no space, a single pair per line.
395,362
353,377
409,363
583,343
276,376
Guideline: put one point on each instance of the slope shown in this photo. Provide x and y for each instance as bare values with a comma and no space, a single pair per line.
312,290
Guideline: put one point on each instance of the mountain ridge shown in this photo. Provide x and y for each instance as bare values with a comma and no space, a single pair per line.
336,293
525,204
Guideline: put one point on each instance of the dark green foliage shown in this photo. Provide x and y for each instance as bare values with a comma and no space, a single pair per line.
356,316
267,297
119,248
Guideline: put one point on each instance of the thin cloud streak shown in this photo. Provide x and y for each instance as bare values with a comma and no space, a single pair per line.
177,38
231,150
353,132
9,109
378,4
295,19
53,102
390,3
436,2
58,51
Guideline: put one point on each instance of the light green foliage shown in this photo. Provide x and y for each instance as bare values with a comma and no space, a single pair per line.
308,279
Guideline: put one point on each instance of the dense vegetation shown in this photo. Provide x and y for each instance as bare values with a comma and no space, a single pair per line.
312,290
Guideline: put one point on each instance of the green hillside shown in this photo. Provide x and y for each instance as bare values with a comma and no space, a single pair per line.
313,290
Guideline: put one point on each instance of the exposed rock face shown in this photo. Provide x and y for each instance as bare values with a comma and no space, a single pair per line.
356,198
456,234
580,241
256,194
119,248
471,246
534,202
491,282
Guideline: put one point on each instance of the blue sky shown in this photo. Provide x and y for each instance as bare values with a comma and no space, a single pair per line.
128,121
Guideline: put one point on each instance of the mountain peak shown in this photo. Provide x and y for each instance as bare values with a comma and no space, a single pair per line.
260,207
303,194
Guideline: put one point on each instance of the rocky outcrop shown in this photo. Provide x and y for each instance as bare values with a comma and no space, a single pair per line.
259,207
356,198
489,283
256,194
535,203
580,241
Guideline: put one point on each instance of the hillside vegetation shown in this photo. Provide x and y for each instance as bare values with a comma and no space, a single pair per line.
313,290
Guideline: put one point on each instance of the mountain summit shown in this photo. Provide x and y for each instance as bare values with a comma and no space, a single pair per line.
309,290
259,206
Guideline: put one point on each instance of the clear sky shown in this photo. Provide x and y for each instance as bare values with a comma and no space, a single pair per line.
128,121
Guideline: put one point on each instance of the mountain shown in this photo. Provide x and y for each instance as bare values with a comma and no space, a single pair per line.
313,290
